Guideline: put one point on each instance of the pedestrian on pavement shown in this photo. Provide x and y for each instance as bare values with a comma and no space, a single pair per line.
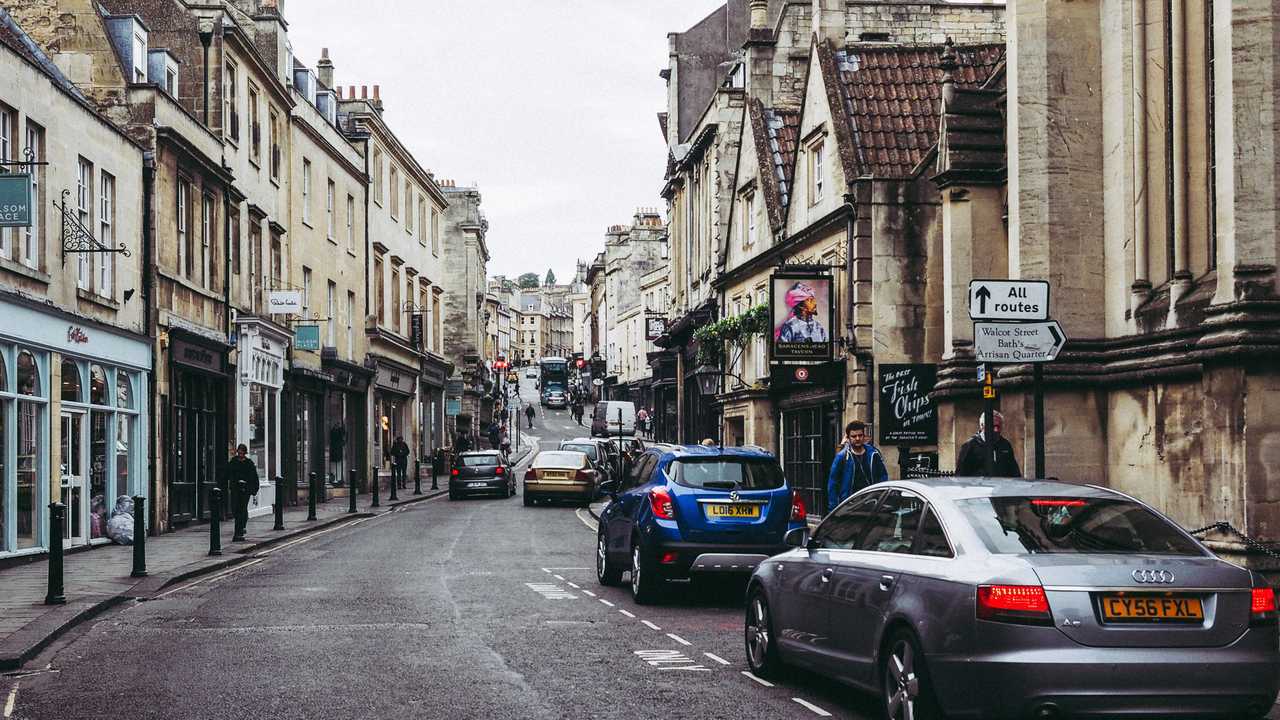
970,461
708,442
242,479
642,421
528,413
577,408
857,465
463,443
493,432
399,461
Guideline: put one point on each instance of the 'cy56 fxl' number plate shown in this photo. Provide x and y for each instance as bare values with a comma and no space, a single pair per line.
1151,608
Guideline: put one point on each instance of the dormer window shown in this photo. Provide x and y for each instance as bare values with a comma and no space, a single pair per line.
817,169
139,57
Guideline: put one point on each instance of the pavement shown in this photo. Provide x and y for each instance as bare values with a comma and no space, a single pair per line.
99,578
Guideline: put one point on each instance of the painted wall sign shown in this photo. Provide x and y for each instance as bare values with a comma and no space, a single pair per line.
907,413
185,353
285,302
15,200
77,335
802,317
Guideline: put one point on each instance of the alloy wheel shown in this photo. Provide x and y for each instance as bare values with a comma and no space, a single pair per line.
600,555
635,570
902,685
758,633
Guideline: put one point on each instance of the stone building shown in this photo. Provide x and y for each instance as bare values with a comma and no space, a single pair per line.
405,323
630,252
75,363
466,254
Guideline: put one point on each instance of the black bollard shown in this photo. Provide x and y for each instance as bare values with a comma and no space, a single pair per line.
417,477
311,497
57,516
396,473
436,467
278,507
215,521
373,486
139,537
351,497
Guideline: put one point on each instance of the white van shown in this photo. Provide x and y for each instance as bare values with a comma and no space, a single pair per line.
606,421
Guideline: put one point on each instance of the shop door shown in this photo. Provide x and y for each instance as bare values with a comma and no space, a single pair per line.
202,444
74,463
802,443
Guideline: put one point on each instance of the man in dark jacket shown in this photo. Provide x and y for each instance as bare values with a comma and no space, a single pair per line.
857,465
970,461
494,433
528,413
242,479
399,461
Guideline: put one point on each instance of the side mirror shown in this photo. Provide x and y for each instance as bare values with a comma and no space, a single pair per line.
609,486
797,537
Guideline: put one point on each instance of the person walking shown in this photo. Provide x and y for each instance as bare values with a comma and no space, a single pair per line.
242,479
528,414
971,459
399,462
577,408
857,465
642,421
463,443
494,435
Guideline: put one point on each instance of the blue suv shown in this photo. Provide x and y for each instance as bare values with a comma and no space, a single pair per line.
685,510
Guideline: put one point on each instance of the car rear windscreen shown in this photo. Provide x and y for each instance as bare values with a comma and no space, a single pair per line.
1019,525
721,473
590,449
561,459
479,460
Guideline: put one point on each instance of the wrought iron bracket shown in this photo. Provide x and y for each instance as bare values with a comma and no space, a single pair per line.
76,238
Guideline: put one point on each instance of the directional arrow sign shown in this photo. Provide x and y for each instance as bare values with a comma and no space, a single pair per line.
1008,300
1017,342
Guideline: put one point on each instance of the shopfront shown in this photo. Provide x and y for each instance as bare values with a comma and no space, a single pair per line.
196,423
260,368
305,426
345,417
394,410
71,398
809,411
431,406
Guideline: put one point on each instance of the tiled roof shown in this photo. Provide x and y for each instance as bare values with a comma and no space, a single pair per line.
891,96
783,128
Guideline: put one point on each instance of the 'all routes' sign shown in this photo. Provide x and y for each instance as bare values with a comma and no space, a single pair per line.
1009,300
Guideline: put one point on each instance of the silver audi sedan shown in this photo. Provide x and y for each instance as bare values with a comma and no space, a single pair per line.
993,598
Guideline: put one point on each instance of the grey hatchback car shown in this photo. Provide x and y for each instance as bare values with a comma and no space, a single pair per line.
993,598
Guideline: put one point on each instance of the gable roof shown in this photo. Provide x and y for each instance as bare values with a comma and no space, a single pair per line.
17,40
889,99
971,137
776,132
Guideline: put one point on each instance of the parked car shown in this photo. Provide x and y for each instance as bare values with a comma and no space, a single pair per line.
481,472
1070,600
607,422
683,511
560,475
531,373
596,450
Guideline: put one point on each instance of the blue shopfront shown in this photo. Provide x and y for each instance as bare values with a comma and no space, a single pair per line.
73,425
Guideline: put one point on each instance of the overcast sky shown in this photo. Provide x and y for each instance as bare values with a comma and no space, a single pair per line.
549,105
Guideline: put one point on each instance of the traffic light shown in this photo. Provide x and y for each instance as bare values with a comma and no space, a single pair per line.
581,363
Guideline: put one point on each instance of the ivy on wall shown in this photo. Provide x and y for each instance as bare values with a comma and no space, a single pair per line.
734,331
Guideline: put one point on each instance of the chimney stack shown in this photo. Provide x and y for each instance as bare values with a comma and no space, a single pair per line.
828,21
759,14
377,98
759,50
324,68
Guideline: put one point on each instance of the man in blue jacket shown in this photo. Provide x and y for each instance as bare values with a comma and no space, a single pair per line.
857,465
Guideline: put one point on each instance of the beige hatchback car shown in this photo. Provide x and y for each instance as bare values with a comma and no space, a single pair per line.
561,475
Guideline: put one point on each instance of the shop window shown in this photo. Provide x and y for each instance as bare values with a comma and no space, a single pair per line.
124,441
4,385
100,503
124,391
98,386
71,391
28,375
29,446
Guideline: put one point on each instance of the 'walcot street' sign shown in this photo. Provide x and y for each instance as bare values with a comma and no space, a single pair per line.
15,200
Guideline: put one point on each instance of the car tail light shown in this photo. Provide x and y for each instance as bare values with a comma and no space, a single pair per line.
530,475
583,475
1262,606
1026,604
660,502
668,558
1057,502
798,513
454,472
499,471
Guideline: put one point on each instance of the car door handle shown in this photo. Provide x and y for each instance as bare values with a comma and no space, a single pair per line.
886,582
826,575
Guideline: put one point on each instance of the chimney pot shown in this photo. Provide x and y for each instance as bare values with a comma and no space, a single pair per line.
338,92
364,92
324,53
375,93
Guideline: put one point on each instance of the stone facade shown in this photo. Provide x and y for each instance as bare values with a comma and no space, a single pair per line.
466,254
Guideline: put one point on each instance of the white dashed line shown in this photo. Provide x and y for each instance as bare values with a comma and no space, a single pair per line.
765,683
606,602
678,639
588,592
624,612
651,625
717,658
572,584
816,710
558,577
13,698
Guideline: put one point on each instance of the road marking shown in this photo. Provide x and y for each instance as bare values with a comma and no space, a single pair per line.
573,584
588,592
606,602
765,683
13,698
558,577
670,660
550,569
816,710
651,625
309,537
589,521
717,658
678,639
551,591
211,578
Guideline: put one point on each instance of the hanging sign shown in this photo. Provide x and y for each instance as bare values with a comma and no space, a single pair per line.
802,315
452,406
15,200
306,337
655,327
415,330
907,413
285,302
